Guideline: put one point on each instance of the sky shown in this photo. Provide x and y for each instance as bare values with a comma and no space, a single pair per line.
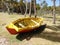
49,2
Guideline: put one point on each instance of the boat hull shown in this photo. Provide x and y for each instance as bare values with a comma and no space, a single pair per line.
13,29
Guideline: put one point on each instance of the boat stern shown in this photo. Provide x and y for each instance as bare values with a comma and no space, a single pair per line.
12,29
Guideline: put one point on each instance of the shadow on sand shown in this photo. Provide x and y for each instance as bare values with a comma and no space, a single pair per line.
55,28
28,35
52,36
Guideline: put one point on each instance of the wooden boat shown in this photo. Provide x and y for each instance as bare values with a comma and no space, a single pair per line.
24,25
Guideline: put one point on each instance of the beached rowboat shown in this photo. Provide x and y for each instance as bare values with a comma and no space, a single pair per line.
24,25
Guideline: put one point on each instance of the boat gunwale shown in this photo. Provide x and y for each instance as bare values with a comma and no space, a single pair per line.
24,19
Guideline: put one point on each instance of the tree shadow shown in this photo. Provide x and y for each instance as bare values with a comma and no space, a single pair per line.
29,35
52,36
55,28
58,27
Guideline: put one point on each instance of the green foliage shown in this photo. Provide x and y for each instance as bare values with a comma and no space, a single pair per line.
49,8
44,5
21,2
37,6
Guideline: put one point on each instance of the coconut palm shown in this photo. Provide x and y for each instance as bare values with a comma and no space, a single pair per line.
54,16
4,3
59,3
26,7
22,9
35,8
30,8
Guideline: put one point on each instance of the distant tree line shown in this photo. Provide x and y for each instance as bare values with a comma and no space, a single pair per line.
20,7
28,6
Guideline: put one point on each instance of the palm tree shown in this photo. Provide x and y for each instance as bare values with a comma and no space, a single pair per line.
7,3
59,3
21,6
26,7
30,8
35,8
54,16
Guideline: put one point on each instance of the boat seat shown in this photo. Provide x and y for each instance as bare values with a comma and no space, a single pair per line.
21,25
35,22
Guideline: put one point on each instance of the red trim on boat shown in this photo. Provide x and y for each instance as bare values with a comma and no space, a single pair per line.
12,31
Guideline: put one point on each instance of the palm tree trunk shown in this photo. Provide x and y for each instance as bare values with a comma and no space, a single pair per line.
6,4
30,9
35,8
54,15
26,8
59,3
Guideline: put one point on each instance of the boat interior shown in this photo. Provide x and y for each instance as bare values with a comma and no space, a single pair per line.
28,22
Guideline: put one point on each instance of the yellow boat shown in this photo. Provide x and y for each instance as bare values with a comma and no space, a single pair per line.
24,25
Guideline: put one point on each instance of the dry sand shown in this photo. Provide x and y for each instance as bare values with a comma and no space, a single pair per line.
50,36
